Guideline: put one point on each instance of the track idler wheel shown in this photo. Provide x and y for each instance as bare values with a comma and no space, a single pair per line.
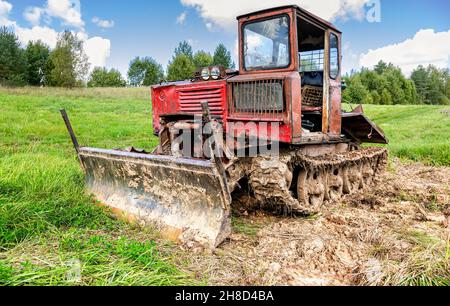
311,189
335,184
353,179
368,173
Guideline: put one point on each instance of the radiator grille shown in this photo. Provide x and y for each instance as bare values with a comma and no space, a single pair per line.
259,97
190,101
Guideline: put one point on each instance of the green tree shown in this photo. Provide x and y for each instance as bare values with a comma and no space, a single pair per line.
420,79
181,68
61,69
431,84
386,98
387,85
202,59
222,56
69,63
145,72
447,85
410,91
184,48
101,77
37,55
385,77
394,77
376,97
381,67
356,92
12,59
436,88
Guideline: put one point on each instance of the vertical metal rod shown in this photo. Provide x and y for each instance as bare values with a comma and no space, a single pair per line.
70,129
214,148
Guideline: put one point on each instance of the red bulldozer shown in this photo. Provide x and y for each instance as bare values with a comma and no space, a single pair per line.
272,132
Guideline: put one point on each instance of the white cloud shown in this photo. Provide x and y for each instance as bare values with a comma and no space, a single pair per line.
69,11
5,9
426,47
350,59
98,50
33,15
45,34
182,18
103,23
223,13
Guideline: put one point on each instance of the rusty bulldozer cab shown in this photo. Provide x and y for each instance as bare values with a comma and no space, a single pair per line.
304,51
286,93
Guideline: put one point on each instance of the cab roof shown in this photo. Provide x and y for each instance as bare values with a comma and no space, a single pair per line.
299,9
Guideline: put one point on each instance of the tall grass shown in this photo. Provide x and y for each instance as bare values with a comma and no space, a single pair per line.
76,258
428,263
43,191
44,210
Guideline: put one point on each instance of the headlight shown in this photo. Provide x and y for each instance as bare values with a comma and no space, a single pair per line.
206,74
215,73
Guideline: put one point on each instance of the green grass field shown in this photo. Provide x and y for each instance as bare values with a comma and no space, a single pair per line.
46,220
44,214
417,133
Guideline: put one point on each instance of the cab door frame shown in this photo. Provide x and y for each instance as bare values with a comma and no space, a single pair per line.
333,94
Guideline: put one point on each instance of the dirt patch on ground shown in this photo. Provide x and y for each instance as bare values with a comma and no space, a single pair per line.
382,236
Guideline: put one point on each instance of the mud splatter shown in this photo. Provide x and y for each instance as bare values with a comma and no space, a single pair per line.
358,240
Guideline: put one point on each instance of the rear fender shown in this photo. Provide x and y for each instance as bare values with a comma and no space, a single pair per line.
358,127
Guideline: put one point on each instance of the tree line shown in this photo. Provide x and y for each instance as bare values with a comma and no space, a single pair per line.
385,84
146,71
36,65
67,64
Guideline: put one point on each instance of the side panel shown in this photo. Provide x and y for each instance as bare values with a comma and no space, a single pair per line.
186,98
164,102
326,87
296,111
336,96
190,97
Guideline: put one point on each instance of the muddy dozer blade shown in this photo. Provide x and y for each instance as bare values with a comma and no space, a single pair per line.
185,198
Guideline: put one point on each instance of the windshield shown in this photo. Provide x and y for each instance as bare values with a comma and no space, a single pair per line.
266,44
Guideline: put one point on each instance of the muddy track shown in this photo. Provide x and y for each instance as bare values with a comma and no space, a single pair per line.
373,237
297,183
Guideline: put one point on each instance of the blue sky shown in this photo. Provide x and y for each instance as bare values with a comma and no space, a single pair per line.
409,32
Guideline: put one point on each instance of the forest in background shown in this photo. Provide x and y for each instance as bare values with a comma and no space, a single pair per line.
385,84
67,66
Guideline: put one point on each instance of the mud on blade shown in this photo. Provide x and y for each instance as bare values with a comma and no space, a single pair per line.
183,197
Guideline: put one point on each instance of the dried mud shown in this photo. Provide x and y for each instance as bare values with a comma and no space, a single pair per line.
363,239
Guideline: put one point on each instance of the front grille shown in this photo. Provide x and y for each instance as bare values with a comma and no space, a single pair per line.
259,97
191,99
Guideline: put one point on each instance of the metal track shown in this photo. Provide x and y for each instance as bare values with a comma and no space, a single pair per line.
303,184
